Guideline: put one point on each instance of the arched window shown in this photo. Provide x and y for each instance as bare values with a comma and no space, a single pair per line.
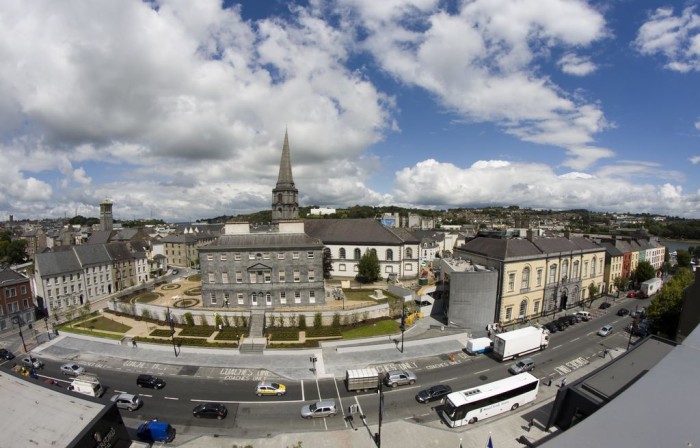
525,282
564,270
358,254
389,255
409,252
552,274
523,308
342,253
593,266
576,272
374,251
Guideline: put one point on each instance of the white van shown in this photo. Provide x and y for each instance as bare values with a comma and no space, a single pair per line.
584,315
87,384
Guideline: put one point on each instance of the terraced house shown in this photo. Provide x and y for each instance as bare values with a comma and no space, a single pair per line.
538,276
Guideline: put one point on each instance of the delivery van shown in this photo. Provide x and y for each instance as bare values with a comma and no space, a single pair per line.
87,384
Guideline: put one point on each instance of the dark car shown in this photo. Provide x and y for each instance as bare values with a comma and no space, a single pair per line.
150,381
6,354
604,305
433,393
561,325
623,312
551,327
570,319
210,410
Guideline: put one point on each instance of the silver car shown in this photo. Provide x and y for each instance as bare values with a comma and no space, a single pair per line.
324,408
72,369
127,401
395,378
32,362
524,365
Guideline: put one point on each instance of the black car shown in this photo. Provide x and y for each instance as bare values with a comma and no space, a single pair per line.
210,410
6,354
150,381
570,319
433,393
551,327
604,305
623,312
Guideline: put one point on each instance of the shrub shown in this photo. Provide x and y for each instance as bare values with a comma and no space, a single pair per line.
302,322
197,331
336,321
160,333
188,319
203,320
293,320
280,320
244,322
218,320
318,320
226,322
145,314
228,334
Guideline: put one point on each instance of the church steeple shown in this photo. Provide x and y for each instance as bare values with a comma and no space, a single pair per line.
285,196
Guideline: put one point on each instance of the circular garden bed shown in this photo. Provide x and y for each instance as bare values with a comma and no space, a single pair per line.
194,291
186,303
170,286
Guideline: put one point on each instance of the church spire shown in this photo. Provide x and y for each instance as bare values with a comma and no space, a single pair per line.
285,196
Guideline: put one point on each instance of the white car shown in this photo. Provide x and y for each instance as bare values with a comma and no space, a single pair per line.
72,369
605,331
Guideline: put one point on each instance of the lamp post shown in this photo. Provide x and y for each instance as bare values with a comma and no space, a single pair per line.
18,320
46,322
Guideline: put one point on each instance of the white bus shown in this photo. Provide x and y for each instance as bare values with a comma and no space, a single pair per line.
478,403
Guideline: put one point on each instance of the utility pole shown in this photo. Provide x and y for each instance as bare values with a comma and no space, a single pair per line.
403,325
378,435
18,320
172,331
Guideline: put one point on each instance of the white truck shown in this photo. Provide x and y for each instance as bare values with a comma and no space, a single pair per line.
87,384
362,379
650,287
479,345
515,343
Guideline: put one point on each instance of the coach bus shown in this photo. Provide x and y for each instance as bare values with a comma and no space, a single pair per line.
478,403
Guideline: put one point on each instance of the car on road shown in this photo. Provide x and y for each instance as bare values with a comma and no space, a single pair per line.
72,369
395,378
604,305
623,312
605,331
323,408
270,388
524,365
32,362
433,393
210,410
584,315
150,381
6,354
551,327
130,402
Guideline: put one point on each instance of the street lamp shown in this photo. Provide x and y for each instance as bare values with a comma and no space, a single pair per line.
46,322
18,320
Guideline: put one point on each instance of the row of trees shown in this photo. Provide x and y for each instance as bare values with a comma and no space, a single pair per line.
665,307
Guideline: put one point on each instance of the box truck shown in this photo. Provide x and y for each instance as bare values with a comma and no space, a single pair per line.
515,343
479,345
87,384
362,379
650,287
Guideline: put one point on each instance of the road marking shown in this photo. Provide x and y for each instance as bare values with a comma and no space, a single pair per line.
449,379
144,395
556,347
481,371
575,339
303,392
171,398
562,370
120,391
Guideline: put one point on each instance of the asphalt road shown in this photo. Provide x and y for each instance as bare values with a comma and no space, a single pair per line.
252,416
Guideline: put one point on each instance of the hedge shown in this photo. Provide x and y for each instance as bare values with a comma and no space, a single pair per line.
160,333
310,343
228,335
283,334
195,342
198,330
322,332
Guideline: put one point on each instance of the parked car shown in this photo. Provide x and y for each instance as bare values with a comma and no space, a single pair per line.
6,354
150,381
632,294
210,410
32,362
129,402
395,378
524,365
584,315
551,327
174,272
623,312
437,392
637,313
604,305
72,369
570,319
155,431
270,388
605,331
324,408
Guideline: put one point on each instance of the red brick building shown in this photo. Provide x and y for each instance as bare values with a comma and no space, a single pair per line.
15,298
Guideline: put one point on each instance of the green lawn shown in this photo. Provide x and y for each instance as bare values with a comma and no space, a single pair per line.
382,327
147,297
104,324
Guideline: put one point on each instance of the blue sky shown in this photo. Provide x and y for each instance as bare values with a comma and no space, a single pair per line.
177,110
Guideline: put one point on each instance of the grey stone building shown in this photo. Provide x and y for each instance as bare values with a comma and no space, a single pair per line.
279,267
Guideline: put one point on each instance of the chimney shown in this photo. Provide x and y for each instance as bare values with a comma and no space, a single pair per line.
567,234
529,235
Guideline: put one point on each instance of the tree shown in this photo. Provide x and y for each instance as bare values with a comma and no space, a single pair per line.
621,283
683,258
368,268
644,271
665,307
592,291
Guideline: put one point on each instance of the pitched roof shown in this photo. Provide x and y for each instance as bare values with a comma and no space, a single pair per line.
263,240
9,276
611,249
353,231
501,248
99,237
60,262
91,254
119,251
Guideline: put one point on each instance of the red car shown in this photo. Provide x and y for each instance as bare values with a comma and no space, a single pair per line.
632,294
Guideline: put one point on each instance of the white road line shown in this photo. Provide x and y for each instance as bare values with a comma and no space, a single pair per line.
481,371
449,379
303,392
171,398
575,339
119,391
340,400
556,347
144,395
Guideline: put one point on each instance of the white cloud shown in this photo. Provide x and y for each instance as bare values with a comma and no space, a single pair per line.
575,65
480,62
697,125
694,160
677,38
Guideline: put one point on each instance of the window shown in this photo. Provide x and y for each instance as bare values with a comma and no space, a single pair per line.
239,277
268,299
576,273
309,254
356,268
585,269
223,257
297,276
409,252
593,266
389,255
10,292
341,253
283,297
251,256
282,276
297,297
212,277
511,281
389,269
254,299
312,296
525,282
552,274
266,256
523,309
224,277
236,256
239,296
312,276
252,277
295,255
408,267
12,307
509,313
341,267
280,255
374,251
268,275
357,254
25,303
210,257
564,270
536,307
212,298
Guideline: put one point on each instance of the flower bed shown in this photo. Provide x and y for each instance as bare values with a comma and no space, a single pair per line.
197,330
283,334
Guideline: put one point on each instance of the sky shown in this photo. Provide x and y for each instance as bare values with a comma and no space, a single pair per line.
177,110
